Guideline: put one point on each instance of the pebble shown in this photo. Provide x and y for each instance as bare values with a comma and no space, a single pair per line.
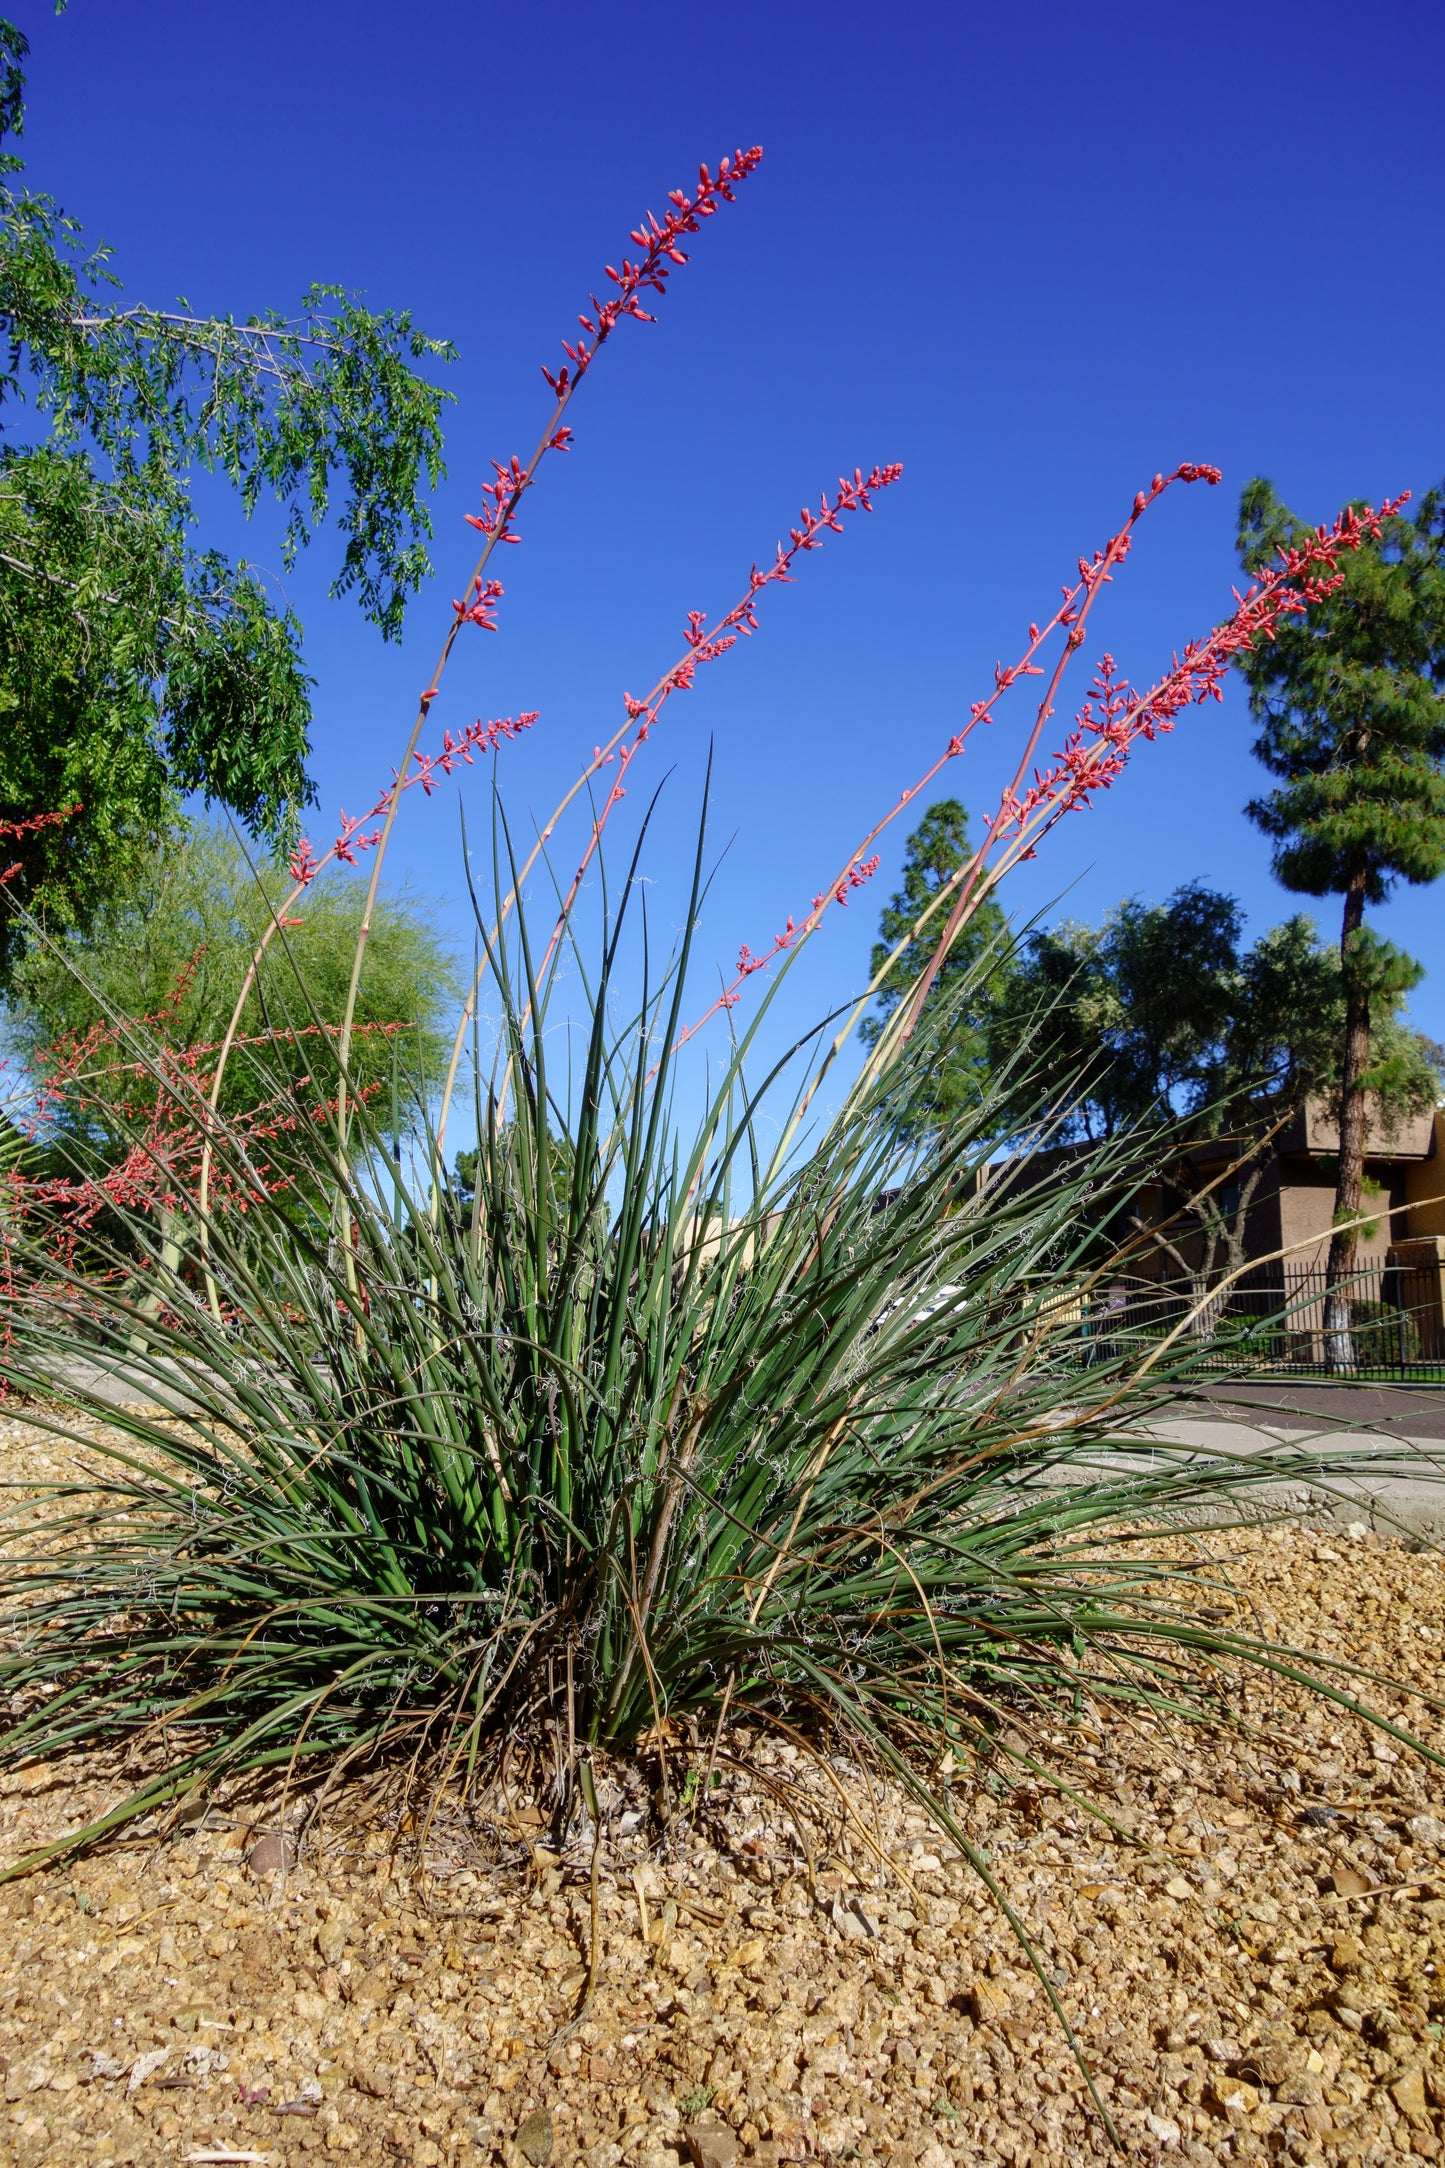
534,2137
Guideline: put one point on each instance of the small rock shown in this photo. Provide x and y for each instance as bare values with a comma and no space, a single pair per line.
1176,1886
1164,2128
534,2137
847,1922
987,2000
711,2143
1235,2093
1427,1829
1408,2094
1223,2050
828,2062
1347,1955
271,1854
331,1939
1277,2062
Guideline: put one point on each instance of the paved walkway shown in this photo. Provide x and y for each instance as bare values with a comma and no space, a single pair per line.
1398,1432
1398,1482
1402,1411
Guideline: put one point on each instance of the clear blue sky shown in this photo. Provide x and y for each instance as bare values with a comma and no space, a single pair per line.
1033,252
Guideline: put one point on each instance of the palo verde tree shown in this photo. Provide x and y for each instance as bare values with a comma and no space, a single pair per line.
169,957
1350,696
135,666
112,1036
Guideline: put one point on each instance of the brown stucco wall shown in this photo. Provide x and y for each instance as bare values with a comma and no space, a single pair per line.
1306,1208
1424,1184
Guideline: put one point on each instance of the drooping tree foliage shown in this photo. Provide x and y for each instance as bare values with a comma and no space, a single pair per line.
135,665
1350,697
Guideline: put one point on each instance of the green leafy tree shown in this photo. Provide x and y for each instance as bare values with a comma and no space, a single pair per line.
171,955
1132,1015
1162,1015
1351,702
1159,1015
973,973
135,667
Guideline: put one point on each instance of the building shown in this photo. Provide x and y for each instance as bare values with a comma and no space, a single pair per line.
1279,1227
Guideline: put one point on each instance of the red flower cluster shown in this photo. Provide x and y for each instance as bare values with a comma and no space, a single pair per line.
480,606
853,496
1113,719
31,827
476,738
855,876
660,251
158,1091
304,865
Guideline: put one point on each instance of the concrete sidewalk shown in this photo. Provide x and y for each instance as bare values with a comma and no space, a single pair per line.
1398,1486
1400,1411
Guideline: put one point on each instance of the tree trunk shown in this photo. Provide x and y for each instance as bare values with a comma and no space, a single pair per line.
1349,1178
162,1281
1236,1227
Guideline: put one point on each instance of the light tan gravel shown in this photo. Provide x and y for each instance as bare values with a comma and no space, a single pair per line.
1256,1971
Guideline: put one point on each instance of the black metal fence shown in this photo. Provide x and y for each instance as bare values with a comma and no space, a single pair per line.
1272,1319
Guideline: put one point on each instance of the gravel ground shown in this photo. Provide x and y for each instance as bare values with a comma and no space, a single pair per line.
1254,1963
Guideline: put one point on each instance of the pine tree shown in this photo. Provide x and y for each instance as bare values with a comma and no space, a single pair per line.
936,849
1350,697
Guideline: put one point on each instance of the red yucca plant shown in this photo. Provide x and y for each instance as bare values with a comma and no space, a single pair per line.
636,1424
